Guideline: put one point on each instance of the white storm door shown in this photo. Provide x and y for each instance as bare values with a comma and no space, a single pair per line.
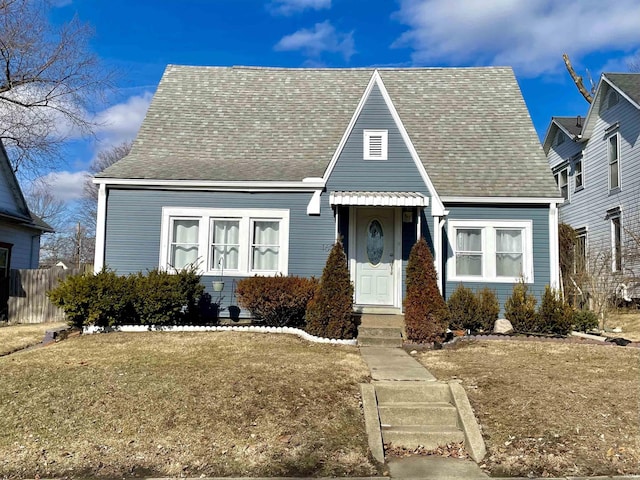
374,283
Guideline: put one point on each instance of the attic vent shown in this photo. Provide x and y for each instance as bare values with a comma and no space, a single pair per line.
375,144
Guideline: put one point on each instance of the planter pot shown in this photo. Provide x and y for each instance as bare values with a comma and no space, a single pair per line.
218,286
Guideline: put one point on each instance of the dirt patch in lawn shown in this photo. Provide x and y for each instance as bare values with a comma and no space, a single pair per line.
183,404
549,409
17,337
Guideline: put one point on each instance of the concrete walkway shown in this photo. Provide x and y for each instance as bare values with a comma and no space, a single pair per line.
387,365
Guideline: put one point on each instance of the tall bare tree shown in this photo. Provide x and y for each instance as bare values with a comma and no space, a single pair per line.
48,80
103,160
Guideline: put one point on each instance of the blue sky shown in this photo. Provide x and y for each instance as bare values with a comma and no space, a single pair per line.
138,38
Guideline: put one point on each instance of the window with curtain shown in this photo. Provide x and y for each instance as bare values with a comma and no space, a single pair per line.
469,252
225,244
235,242
184,242
491,250
509,253
265,247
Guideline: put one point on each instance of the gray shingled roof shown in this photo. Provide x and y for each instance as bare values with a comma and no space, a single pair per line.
470,126
570,124
629,83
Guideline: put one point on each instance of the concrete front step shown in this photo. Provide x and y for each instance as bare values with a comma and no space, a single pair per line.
428,436
412,392
380,341
408,414
379,332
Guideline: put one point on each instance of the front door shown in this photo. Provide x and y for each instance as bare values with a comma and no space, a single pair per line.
374,283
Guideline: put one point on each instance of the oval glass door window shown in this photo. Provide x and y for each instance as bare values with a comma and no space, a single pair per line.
375,242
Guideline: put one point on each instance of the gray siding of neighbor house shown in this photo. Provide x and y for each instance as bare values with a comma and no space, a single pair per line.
396,174
26,245
133,229
541,263
7,200
588,207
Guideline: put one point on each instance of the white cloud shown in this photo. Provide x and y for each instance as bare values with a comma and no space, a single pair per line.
530,36
65,186
121,122
322,38
288,7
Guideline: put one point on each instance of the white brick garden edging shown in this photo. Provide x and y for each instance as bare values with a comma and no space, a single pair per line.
196,328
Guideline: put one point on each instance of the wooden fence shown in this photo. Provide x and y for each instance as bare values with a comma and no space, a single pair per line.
28,301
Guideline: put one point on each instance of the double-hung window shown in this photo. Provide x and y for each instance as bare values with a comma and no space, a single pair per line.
500,251
237,242
613,153
562,180
577,174
580,251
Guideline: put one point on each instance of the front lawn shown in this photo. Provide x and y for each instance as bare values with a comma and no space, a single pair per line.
550,409
183,404
17,337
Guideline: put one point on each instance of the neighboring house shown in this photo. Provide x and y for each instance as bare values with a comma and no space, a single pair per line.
596,163
20,230
256,171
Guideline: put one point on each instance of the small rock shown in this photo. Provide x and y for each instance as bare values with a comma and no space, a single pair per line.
502,325
413,352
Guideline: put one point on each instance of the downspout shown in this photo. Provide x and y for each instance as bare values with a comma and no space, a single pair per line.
439,222
554,254
101,224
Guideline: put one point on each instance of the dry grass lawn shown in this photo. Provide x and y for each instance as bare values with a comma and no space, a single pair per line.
629,321
17,337
550,409
183,404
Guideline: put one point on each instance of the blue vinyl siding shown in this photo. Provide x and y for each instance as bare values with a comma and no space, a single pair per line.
539,215
26,245
133,230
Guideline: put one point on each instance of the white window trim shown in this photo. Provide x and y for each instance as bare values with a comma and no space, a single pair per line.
609,162
246,218
488,250
577,161
616,216
366,136
558,174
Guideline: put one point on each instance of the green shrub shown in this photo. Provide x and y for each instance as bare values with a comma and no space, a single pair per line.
163,298
584,320
277,301
103,299
520,309
425,311
463,309
488,308
330,312
554,315
107,300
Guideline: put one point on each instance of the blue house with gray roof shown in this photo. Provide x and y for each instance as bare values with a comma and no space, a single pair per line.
257,171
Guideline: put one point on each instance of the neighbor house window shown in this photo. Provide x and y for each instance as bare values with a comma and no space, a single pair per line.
375,144
577,174
5,259
562,180
237,242
616,243
494,251
580,251
614,161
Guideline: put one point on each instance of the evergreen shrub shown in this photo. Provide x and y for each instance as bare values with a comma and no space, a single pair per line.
103,299
584,320
554,315
425,311
276,301
463,309
488,308
330,312
520,309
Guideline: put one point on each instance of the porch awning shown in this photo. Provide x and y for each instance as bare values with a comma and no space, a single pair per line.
379,199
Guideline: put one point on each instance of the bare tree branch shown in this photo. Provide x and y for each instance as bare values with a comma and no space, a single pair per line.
577,79
48,82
